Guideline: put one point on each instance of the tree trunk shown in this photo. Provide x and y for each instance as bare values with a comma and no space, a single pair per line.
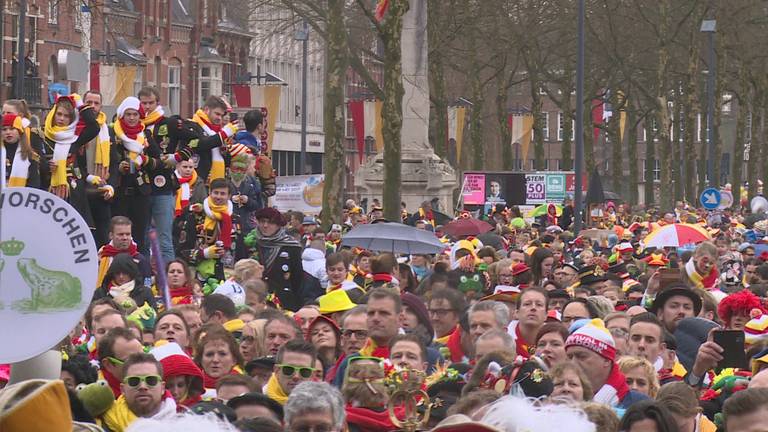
505,135
632,156
336,61
746,103
392,110
567,130
589,141
650,162
662,109
476,148
753,166
437,93
689,138
719,89
538,124
703,151
675,143
617,154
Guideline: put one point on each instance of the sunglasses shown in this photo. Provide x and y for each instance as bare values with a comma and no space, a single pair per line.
115,361
136,380
289,370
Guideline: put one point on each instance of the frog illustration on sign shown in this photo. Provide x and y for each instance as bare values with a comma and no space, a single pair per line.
51,290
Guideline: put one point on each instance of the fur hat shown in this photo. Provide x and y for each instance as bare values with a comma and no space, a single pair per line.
742,302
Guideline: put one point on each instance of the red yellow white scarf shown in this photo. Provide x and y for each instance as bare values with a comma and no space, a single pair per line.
63,137
184,191
101,158
221,215
210,129
132,137
20,164
150,119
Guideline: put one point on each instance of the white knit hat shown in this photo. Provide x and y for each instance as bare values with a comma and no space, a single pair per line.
756,330
131,102
594,337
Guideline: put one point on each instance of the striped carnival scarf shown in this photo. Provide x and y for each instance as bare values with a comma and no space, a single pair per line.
20,165
221,215
133,138
101,158
707,282
184,191
149,120
210,129
63,137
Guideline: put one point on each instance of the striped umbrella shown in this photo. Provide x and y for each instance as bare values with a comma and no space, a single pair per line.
676,235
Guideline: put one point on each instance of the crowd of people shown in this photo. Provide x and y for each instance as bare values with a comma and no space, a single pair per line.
237,316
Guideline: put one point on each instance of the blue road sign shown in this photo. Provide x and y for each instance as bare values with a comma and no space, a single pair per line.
710,198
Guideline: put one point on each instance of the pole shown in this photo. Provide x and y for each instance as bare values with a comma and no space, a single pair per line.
18,85
303,155
85,41
579,162
711,112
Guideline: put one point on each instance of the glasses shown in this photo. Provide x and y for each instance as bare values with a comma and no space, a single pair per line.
572,319
290,370
619,332
357,334
150,380
115,361
440,312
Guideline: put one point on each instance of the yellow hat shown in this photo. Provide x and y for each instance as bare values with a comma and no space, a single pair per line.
335,301
35,405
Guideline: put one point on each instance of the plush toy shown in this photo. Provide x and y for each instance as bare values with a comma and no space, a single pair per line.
210,286
96,397
144,316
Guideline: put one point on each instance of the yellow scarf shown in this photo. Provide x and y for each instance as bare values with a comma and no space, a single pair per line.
444,340
102,142
217,160
62,137
274,391
184,192
119,416
136,146
154,116
214,213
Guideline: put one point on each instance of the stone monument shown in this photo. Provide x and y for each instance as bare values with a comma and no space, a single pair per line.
424,175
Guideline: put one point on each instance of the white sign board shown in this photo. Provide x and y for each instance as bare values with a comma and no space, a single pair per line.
299,193
48,266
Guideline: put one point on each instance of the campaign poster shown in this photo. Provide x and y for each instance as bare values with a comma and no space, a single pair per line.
299,193
473,191
535,188
555,188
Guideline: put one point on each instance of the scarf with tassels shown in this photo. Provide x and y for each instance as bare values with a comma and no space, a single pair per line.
614,390
210,129
149,120
269,246
275,391
184,191
63,137
132,137
101,158
20,165
220,215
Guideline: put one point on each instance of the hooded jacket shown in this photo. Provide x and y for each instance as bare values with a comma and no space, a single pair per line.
124,263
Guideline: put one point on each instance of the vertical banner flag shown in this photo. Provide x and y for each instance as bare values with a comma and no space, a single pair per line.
456,118
597,117
378,135
357,112
622,102
525,139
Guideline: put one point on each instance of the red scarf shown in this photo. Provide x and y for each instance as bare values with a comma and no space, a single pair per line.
109,251
113,382
188,402
181,295
521,346
368,420
382,277
618,381
209,382
454,346
131,132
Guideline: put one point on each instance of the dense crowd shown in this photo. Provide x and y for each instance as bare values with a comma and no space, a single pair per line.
214,311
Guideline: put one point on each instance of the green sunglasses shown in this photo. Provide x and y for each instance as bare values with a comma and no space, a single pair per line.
115,361
289,370
136,380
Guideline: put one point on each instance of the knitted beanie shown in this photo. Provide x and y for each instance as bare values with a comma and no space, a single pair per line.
594,337
756,330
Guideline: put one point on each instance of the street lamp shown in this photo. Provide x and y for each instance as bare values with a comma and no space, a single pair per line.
302,35
709,27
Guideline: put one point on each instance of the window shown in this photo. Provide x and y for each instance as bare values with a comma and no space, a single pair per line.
206,20
210,81
138,81
560,124
656,170
53,12
727,103
287,163
174,88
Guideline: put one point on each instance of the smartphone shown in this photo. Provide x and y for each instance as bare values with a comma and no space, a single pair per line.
233,117
732,342
668,276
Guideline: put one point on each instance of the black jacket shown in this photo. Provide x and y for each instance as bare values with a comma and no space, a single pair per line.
125,264
285,277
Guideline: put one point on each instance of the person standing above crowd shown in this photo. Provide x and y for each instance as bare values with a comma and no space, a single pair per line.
209,148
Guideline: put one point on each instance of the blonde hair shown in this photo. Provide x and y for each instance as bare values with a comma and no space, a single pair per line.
706,248
255,328
628,363
246,269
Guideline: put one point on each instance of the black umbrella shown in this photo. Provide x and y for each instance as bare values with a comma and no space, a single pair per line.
595,193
